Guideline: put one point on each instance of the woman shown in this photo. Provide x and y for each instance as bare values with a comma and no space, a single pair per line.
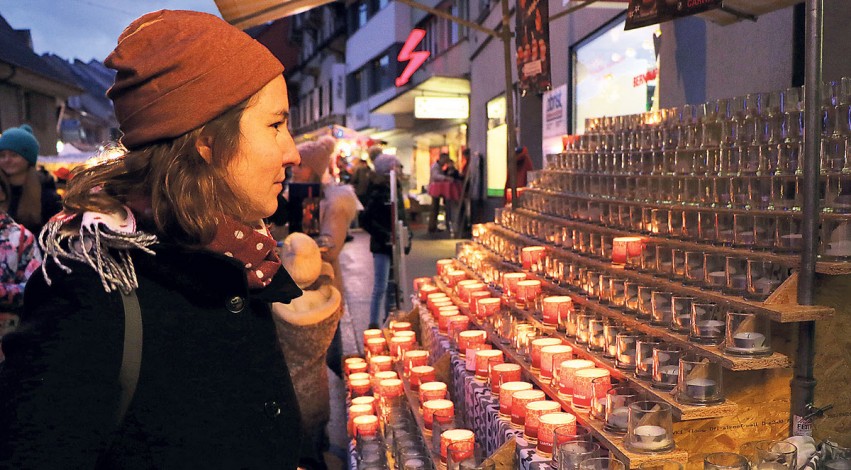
378,222
30,201
177,220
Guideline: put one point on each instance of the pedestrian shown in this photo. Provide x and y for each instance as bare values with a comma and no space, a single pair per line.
524,166
378,222
436,175
174,222
304,321
31,201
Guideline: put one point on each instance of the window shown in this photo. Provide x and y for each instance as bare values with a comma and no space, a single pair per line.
442,34
382,74
354,90
363,14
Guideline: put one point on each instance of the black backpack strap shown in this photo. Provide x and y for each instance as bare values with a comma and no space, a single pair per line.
131,360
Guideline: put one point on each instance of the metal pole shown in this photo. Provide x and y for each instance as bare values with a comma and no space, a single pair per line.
804,384
509,102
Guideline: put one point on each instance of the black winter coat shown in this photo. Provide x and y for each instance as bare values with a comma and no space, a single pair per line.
213,391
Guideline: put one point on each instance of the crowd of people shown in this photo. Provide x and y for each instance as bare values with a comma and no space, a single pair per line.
178,306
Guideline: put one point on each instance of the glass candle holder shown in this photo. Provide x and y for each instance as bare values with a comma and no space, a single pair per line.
644,356
567,373
724,228
678,267
725,461
693,267
537,345
528,294
743,234
659,221
715,271
453,436
571,453
625,248
485,359
776,455
625,353
707,323
617,293
432,391
442,411
592,284
461,455
661,309
534,411
618,400
582,381
631,297
547,424
501,373
568,433
355,366
354,412
596,338
645,301
469,338
699,382
519,400
601,463
531,255
599,388
506,393
748,334
421,375
661,465
666,367
551,357
648,257
681,313
764,277
836,457
610,344
788,238
582,328
604,290
664,260
765,232
509,283
555,308
706,227
650,427
488,307
737,275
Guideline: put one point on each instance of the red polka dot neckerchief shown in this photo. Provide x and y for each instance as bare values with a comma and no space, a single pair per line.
257,251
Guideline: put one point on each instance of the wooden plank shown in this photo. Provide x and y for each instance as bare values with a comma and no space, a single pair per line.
780,314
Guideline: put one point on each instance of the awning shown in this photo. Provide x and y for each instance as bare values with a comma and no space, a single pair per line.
403,103
247,13
337,131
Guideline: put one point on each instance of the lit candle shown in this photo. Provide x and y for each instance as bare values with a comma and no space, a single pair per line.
506,394
553,355
534,411
453,436
547,425
624,248
556,308
749,340
432,391
442,411
484,360
701,388
365,425
537,345
501,373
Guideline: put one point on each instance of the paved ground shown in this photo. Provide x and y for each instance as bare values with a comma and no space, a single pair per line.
356,263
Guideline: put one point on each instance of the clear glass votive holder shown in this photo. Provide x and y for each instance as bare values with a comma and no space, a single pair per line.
691,225
596,337
630,304
700,382
666,366
645,301
706,227
681,313
678,268
765,232
664,260
788,238
602,463
707,323
599,388
568,433
725,461
737,275
648,257
583,331
661,311
618,400
572,453
661,465
748,334
836,457
714,271
835,238
776,455
743,235
724,228
625,354
693,267
650,427
610,345
764,277
617,292
604,290
644,356
591,286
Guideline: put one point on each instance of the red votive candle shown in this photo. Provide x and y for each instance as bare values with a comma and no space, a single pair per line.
457,324
442,411
397,326
365,425
566,373
421,375
484,360
624,248
453,436
419,282
461,287
470,355
354,412
468,338
354,364
444,313
391,388
376,346
414,358
509,283
432,391
519,400
360,387
367,400
506,394
379,376
487,306
531,255
582,392
528,291
400,344
555,308
534,411
535,350
444,265
475,296
380,363
502,373
427,290
547,425
371,333
552,356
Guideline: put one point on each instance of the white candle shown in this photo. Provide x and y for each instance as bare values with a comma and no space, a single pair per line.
669,374
651,437
749,340
700,389
618,418
710,327
765,285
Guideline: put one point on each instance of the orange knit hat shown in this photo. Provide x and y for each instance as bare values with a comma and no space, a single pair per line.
177,70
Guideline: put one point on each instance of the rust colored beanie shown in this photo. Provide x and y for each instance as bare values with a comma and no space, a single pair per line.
177,70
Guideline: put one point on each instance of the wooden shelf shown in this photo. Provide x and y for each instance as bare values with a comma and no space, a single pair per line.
681,411
832,268
780,314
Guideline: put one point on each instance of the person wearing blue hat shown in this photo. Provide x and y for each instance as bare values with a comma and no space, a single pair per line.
29,201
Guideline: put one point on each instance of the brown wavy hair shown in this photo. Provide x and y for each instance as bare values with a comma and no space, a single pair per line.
167,183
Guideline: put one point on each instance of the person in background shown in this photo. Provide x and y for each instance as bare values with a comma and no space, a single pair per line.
30,202
363,174
379,224
175,221
524,166
19,259
437,174
318,309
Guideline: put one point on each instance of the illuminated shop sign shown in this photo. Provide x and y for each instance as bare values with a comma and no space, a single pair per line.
414,58
432,107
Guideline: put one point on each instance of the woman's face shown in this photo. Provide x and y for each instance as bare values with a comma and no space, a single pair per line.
13,164
264,151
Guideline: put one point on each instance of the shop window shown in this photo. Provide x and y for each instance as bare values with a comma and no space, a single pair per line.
615,72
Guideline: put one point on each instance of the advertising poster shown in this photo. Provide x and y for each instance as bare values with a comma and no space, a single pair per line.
532,36
554,119
645,12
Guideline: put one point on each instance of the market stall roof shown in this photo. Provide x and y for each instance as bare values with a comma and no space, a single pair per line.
247,13
337,131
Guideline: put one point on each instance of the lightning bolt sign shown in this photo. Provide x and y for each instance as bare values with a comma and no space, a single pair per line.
414,58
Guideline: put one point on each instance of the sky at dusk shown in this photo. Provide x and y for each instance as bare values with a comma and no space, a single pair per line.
85,29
